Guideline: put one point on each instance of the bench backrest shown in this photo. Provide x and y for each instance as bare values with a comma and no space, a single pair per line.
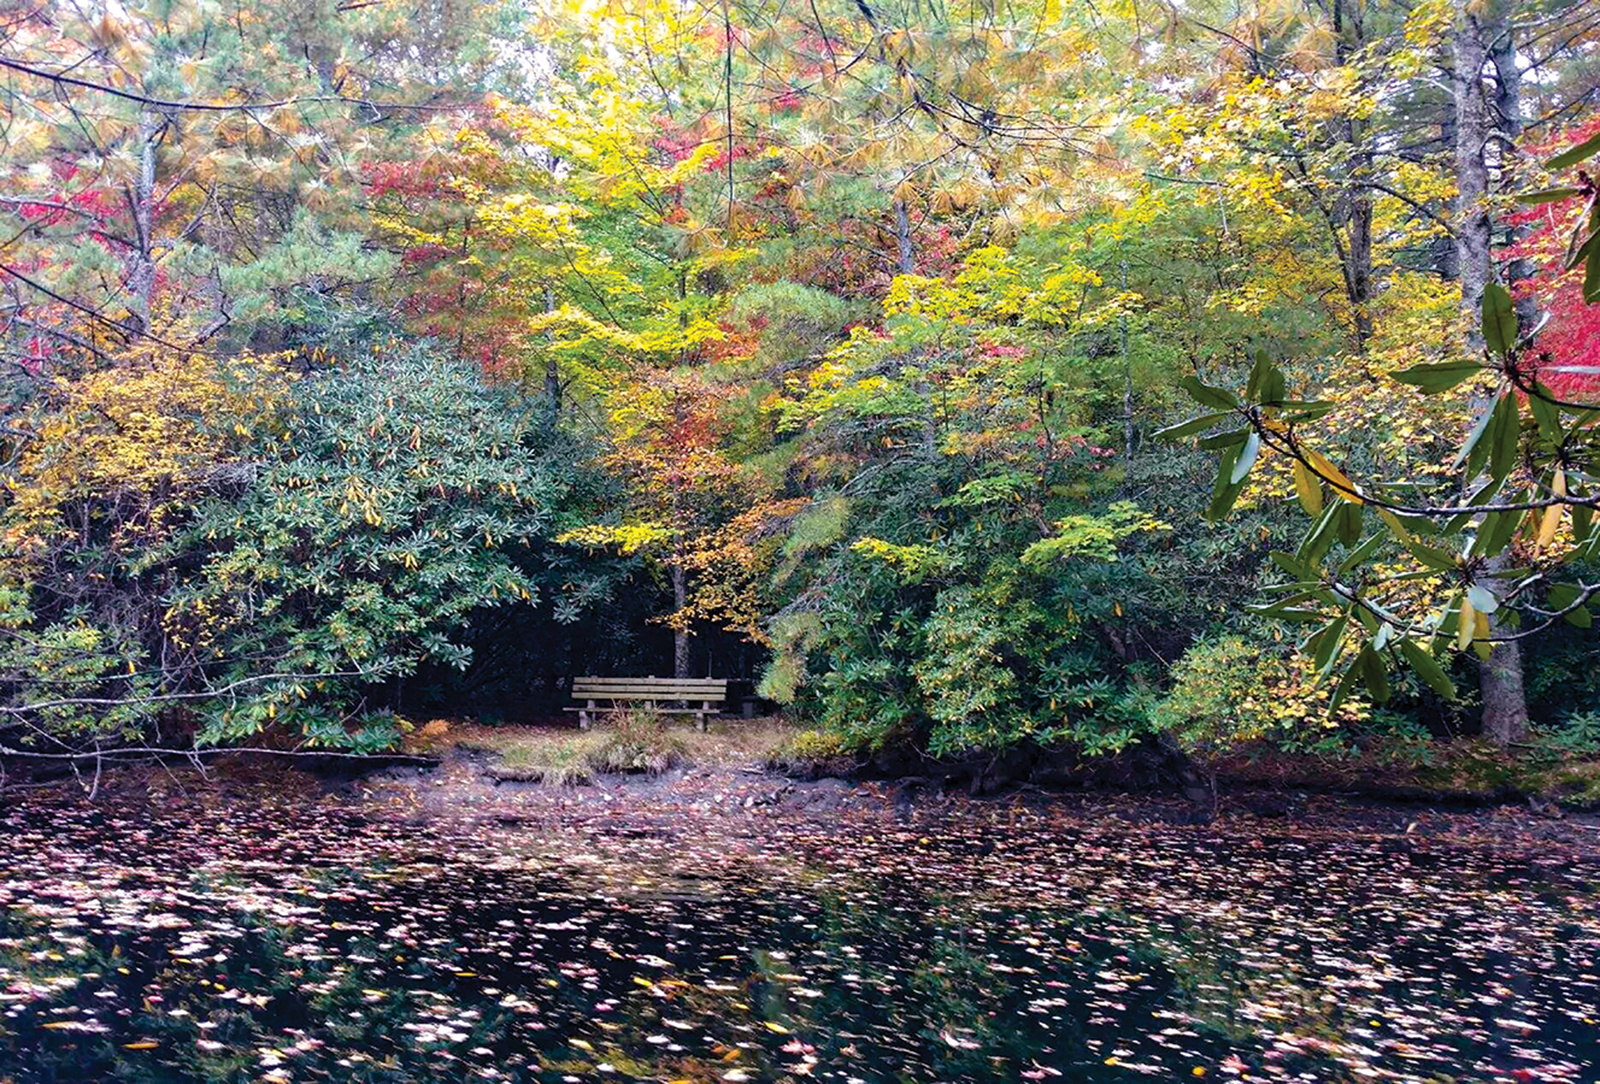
624,688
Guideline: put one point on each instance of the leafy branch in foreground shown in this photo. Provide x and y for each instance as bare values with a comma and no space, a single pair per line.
1488,550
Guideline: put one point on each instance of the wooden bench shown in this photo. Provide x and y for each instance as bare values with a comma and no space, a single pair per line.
652,692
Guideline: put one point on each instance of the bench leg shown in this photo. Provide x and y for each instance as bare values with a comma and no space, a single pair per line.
700,716
583,716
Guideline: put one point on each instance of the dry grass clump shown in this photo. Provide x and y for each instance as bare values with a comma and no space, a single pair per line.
638,742
635,741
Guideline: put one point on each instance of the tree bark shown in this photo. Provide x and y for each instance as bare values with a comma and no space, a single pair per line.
1127,380
1353,211
680,636
1505,705
1359,225
1446,262
1472,174
906,261
552,375
1507,119
905,254
142,273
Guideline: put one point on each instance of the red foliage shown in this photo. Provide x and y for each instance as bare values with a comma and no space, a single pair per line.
719,161
78,204
1571,339
675,141
938,252
63,206
422,254
1001,350
39,352
737,342
406,179
1079,450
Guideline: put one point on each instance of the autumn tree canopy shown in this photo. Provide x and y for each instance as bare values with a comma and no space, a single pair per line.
368,355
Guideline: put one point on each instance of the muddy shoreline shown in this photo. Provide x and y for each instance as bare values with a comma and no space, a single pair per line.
466,790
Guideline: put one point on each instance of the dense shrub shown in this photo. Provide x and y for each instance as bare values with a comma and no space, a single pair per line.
1228,692
92,527
281,571
406,497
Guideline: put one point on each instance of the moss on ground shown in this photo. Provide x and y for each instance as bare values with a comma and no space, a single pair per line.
1467,770
1481,769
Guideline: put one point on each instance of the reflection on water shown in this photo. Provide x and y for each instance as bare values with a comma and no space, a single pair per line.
304,946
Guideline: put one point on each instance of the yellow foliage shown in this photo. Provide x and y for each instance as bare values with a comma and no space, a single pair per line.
989,287
626,537
1228,692
137,441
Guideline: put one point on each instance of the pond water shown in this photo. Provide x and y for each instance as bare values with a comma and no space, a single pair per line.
262,941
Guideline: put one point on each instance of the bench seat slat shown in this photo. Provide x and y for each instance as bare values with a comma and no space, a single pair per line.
647,689
664,711
652,680
645,698
645,694
664,694
584,683
664,681
652,685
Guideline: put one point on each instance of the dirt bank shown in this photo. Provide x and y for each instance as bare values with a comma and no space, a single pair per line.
461,792
722,783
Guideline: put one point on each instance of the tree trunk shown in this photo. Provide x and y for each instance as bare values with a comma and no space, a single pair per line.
1507,120
1127,381
1445,255
142,273
1360,232
905,254
1353,211
1505,706
552,375
906,261
680,636
1507,79
1472,175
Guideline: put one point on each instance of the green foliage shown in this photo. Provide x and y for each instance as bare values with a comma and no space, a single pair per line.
957,644
820,525
1227,693
90,530
58,671
1093,536
793,321
271,287
811,747
1359,593
394,499
1578,735
964,678
404,496
913,564
792,636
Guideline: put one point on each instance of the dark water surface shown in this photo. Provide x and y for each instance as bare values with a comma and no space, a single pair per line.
291,942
